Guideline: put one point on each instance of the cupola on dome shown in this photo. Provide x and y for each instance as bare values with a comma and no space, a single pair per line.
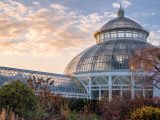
121,22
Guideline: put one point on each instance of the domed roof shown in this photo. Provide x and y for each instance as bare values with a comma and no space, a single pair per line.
121,22
113,55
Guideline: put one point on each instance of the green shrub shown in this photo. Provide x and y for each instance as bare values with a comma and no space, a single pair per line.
145,113
17,97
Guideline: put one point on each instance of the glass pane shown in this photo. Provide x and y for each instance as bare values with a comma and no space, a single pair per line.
135,35
113,34
120,33
128,34
107,35
140,35
101,37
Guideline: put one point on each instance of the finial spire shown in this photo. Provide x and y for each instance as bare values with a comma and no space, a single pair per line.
120,12
120,6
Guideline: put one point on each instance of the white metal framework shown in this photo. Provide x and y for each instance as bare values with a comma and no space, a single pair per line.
115,84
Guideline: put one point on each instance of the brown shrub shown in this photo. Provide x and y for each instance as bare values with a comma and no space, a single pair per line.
120,110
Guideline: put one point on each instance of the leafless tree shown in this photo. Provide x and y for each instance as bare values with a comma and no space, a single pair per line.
147,59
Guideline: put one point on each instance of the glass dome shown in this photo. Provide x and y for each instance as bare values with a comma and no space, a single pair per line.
116,42
113,55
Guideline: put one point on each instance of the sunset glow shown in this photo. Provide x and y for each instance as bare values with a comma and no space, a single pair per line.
45,36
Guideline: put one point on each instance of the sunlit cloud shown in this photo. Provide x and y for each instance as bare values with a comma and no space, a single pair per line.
46,31
154,38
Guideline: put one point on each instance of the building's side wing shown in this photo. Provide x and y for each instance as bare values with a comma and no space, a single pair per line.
58,84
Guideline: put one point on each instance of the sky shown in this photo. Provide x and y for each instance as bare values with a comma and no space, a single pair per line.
45,35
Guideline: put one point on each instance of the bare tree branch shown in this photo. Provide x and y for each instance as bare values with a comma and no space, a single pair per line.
148,59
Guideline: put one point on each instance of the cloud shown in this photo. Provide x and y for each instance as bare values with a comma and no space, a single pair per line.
58,7
124,3
6,43
116,5
46,31
154,38
36,3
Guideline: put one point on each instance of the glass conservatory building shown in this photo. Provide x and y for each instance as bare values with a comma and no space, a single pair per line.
100,71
